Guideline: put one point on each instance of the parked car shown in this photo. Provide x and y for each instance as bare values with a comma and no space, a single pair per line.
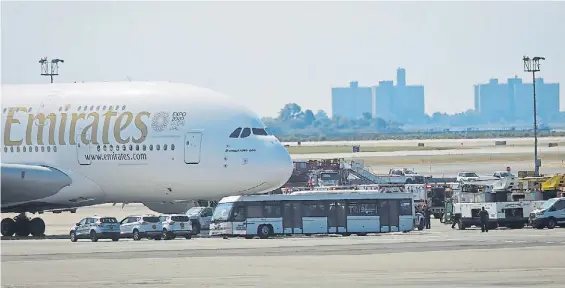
141,226
96,227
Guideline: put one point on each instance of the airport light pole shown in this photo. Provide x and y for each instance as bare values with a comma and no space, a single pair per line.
50,70
533,65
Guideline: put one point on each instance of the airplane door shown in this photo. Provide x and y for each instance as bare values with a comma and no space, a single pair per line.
83,152
192,142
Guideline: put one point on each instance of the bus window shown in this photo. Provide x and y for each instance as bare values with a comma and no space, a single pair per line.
254,210
314,209
363,208
405,207
272,210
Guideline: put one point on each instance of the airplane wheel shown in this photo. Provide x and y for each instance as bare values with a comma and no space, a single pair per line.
37,227
8,227
22,226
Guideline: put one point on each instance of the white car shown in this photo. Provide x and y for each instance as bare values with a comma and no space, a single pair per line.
467,176
141,226
94,228
176,225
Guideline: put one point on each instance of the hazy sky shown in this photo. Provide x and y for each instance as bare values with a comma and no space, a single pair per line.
271,53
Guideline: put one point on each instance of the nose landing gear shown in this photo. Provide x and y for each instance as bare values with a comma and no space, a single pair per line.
21,225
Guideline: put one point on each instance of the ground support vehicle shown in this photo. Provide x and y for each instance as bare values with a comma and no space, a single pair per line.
550,214
342,212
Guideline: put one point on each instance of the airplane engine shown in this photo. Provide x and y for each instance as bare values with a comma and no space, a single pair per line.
169,208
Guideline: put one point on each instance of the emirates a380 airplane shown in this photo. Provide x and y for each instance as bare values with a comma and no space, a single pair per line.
158,143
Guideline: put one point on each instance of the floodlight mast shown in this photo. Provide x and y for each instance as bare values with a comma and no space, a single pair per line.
533,65
50,68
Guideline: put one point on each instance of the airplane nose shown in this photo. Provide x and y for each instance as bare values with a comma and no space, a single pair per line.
281,165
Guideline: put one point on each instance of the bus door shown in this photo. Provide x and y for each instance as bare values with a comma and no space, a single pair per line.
337,217
239,224
394,214
389,215
292,218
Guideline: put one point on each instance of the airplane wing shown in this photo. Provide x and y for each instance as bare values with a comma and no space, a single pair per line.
23,183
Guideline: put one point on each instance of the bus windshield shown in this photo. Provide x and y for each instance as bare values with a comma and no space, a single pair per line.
222,212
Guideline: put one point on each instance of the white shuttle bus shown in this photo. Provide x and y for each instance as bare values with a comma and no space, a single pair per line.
347,212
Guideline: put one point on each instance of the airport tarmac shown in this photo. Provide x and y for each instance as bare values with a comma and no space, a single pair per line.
482,169
440,257
438,142
513,150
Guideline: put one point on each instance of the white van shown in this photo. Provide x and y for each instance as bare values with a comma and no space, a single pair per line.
550,214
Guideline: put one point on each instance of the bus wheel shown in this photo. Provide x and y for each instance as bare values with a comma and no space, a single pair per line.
264,231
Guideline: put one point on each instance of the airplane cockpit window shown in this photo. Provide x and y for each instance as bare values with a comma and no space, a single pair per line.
259,131
235,133
245,133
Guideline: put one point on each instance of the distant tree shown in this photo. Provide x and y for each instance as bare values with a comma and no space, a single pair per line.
290,111
367,116
309,117
321,115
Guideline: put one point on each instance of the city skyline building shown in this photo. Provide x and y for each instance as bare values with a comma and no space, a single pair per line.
385,100
512,101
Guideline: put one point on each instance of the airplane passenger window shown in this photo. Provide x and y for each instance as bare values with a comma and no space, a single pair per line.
123,147
24,148
235,133
18,149
105,147
36,149
5,149
104,108
117,147
165,147
245,133
79,108
54,149
97,108
11,149
172,146
48,149
259,131
151,147
136,147
60,109
158,147
42,148
144,147
124,107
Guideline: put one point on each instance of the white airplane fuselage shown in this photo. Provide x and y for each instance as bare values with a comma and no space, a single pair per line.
136,142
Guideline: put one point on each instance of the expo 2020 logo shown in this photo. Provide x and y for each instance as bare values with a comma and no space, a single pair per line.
160,121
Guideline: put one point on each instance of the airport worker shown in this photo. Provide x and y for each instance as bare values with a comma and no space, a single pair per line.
455,219
484,220
428,216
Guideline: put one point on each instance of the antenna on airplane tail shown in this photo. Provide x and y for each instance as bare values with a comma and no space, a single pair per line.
123,205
